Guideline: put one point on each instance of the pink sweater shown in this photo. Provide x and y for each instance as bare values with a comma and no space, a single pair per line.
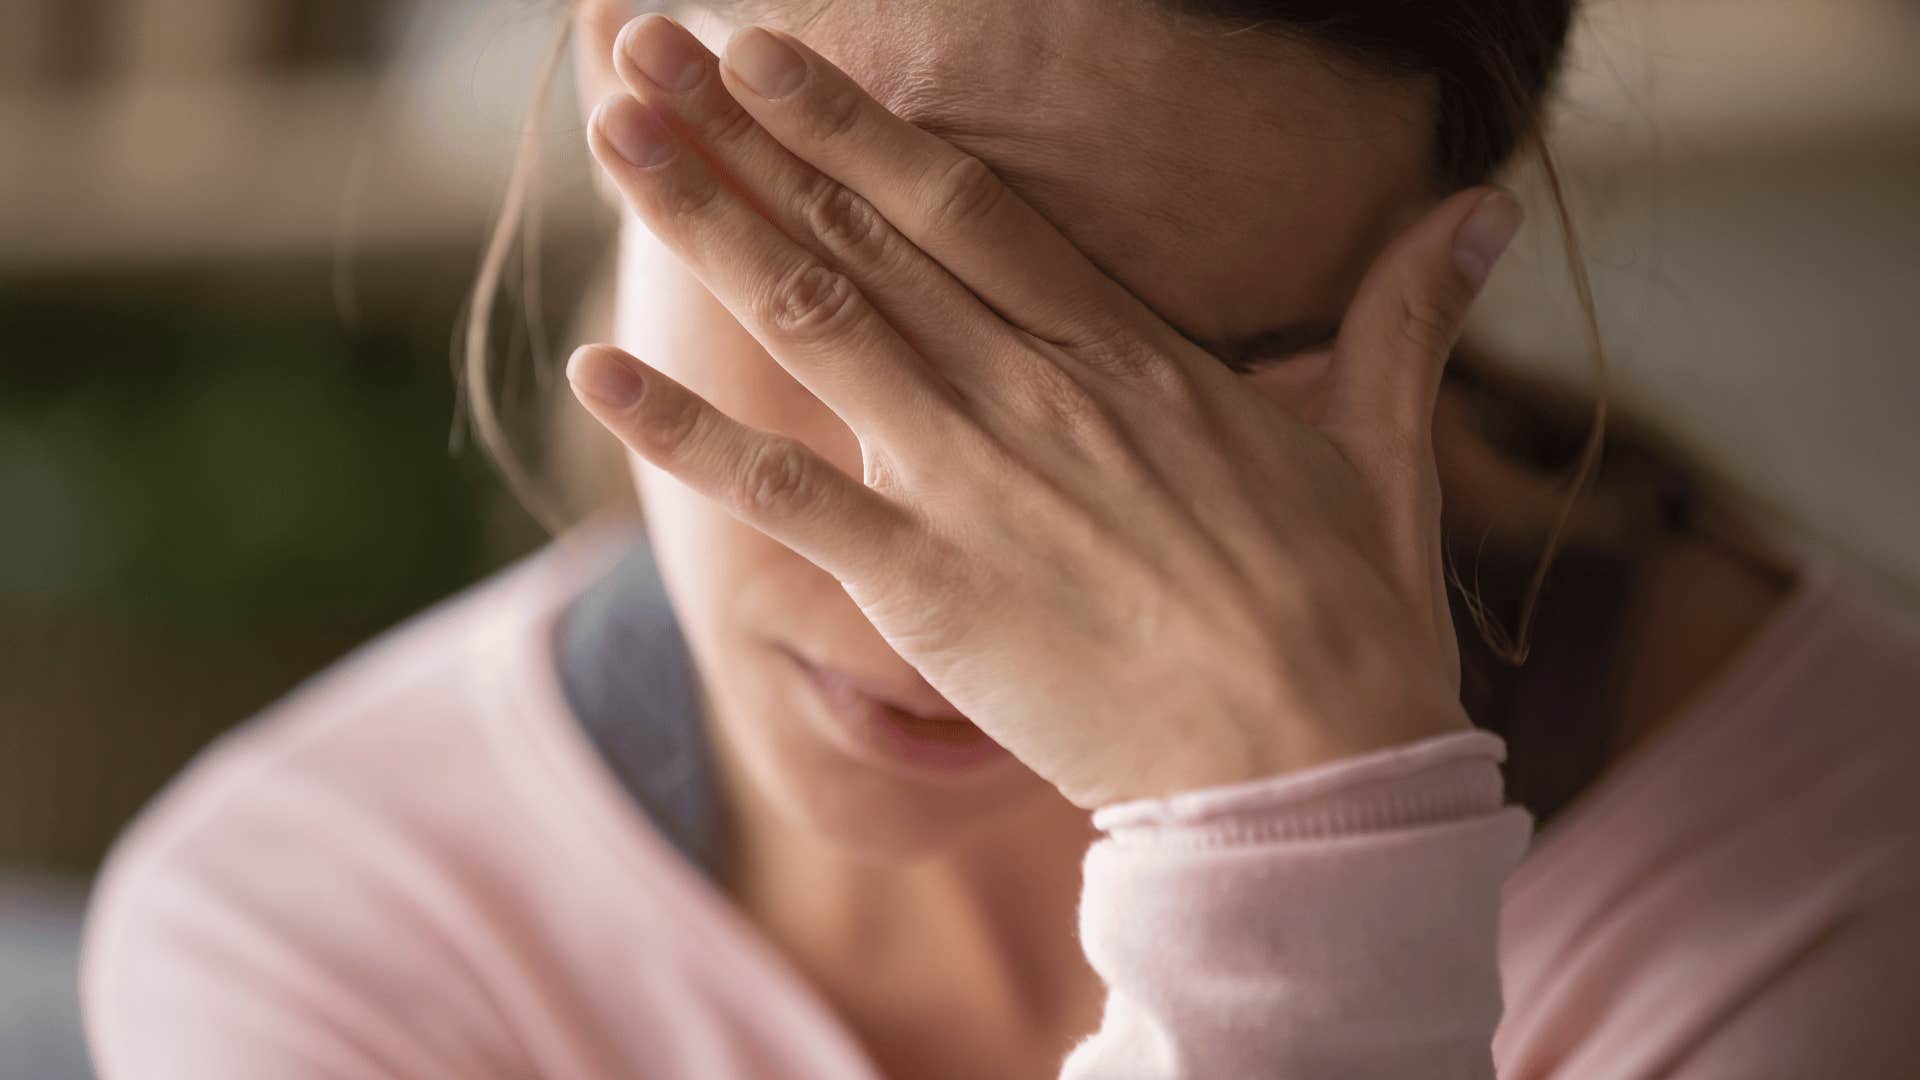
418,867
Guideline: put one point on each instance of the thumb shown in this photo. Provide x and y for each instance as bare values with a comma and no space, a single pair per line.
1409,312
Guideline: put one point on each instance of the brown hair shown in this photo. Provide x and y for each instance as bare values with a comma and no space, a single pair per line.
1494,62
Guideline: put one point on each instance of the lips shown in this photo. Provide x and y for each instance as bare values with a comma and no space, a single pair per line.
912,728
919,702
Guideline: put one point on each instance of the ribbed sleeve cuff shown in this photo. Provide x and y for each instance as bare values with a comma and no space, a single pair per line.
1443,778
1338,921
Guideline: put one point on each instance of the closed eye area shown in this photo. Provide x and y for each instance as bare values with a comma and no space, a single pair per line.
1121,221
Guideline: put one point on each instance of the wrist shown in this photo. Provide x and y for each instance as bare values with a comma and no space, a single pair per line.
1243,749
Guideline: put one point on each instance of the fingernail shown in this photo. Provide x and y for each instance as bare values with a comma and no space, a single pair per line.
765,63
635,133
664,52
601,376
1485,236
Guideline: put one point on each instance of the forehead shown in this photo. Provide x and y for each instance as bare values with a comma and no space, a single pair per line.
1233,180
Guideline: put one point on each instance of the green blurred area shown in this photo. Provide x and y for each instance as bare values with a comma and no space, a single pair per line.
210,487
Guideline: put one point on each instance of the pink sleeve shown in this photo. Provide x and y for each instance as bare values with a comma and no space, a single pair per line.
1341,921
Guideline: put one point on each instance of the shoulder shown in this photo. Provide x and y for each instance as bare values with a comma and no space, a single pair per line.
1750,884
1878,630
1837,1002
306,888
1735,971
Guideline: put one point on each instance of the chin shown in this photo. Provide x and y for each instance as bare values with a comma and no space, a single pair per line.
854,789
820,730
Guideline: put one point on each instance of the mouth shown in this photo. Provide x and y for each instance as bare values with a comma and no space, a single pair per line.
916,730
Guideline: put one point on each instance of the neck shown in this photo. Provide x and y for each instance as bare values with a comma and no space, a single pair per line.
984,929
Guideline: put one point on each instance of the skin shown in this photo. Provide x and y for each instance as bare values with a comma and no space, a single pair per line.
999,467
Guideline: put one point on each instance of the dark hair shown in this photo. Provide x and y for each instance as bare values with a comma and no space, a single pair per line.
1494,59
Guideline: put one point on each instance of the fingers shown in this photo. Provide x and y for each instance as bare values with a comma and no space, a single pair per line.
809,316
774,484
1405,320
946,201
667,67
595,25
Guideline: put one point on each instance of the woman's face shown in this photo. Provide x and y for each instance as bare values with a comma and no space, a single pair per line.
1235,183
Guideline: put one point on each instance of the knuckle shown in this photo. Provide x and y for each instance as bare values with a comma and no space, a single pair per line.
842,220
774,479
1058,402
727,124
832,114
1119,357
1106,345
682,193
962,194
1174,385
811,301
672,423
1429,319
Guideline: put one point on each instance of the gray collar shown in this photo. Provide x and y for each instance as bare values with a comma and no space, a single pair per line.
626,674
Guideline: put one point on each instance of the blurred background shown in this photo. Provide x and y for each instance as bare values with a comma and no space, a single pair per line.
236,237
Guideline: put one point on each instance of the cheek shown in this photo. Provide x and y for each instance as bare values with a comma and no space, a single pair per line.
667,318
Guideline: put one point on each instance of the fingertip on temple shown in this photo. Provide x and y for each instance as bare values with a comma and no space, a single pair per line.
1484,234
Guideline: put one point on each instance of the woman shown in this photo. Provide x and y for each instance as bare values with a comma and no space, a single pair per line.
1040,649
